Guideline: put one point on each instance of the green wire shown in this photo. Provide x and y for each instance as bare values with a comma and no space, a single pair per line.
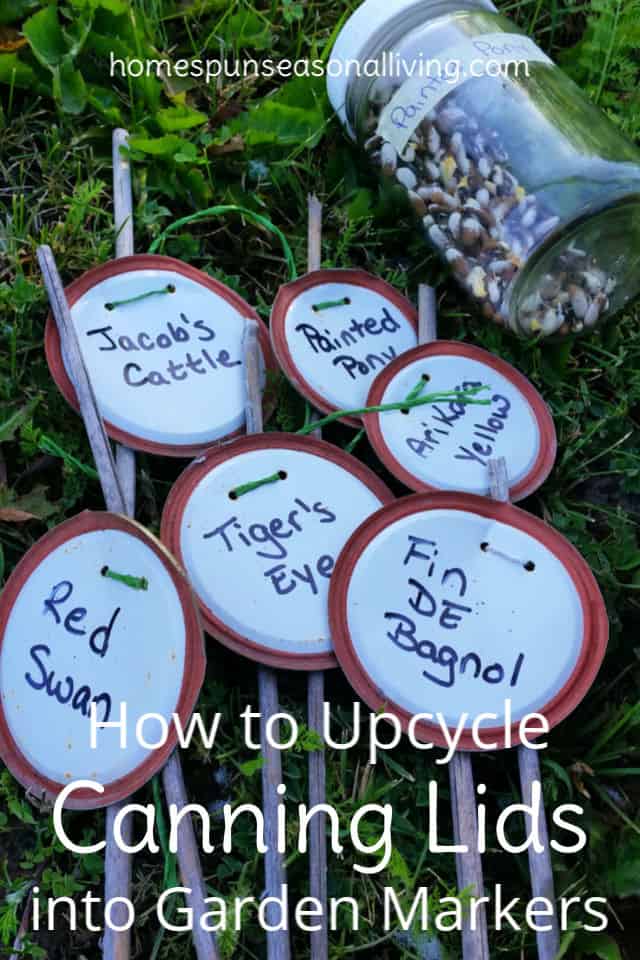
113,304
231,208
465,396
254,485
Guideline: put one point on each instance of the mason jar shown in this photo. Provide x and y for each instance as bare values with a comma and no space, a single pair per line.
527,190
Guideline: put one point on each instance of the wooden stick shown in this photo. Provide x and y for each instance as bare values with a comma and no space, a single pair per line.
314,233
122,195
117,863
319,939
475,943
278,942
189,860
114,499
540,870
98,441
117,883
318,871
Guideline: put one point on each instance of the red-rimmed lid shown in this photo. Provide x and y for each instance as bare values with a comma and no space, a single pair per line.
334,330
162,343
71,634
447,445
452,604
260,558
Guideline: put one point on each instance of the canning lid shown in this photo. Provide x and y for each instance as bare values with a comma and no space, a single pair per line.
468,608
370,17
446,445
162,343
97,611
333,330
258,525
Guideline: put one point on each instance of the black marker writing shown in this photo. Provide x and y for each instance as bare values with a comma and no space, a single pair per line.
65,691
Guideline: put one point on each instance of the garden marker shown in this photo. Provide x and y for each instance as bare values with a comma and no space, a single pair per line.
117,869
157,334
540,869
334,330
447,446
172,778
73,641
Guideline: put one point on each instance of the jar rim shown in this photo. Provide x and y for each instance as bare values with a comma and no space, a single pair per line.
371,18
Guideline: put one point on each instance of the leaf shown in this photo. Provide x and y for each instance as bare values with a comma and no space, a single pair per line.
45,36
247,29
15,420
35,504
13,515
106,103
295,115
166,146
621,877
180,118
117,7
13,70
69,88
251,766
21,810
13,10
598,945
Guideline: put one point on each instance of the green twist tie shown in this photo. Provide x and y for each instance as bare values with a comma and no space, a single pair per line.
327,304
256,484
413,399
114,304
136,583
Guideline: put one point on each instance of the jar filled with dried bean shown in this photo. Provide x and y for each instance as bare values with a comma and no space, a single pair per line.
526,189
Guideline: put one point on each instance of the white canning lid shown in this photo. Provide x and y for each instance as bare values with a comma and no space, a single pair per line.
366,20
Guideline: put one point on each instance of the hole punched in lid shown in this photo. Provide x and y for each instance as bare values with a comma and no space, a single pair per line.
528,565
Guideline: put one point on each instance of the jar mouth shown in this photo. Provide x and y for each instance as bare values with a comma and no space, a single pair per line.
384,32
585,270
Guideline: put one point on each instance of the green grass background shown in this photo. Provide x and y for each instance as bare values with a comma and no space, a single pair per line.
265,147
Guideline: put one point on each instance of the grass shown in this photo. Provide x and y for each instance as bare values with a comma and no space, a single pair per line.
268,154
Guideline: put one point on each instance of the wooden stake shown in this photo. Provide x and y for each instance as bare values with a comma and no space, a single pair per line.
314,233
278,942
540,870
475,942
117,863
319,939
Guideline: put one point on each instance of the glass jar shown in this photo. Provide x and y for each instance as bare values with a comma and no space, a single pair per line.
526,189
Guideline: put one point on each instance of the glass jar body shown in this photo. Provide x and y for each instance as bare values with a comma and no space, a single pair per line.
527,190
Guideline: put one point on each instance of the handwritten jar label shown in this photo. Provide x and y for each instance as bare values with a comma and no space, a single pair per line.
447,445
473,58
454,604
162,343
76,631
258,526
333,331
